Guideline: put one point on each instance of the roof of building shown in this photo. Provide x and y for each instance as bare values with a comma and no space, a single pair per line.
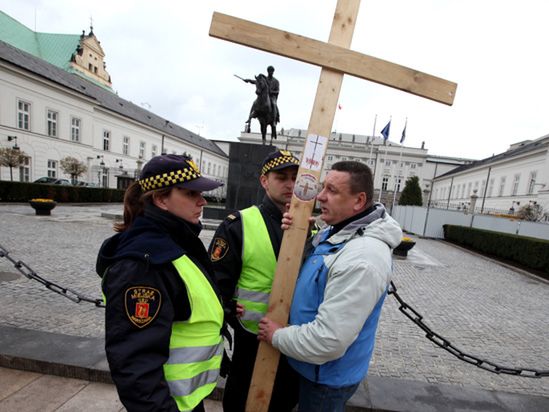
54,48
516,149
102,96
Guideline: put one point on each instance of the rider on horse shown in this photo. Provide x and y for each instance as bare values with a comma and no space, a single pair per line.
274,88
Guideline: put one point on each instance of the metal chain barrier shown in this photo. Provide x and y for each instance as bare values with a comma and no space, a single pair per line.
408,311
442,342
27,271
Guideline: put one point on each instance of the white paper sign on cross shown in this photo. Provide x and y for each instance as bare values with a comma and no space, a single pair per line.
336,59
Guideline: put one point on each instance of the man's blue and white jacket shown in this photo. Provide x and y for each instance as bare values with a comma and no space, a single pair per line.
337,301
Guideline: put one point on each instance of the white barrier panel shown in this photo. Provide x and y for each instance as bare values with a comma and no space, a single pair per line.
428,222
534,229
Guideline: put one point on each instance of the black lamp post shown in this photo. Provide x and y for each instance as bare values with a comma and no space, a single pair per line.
101,170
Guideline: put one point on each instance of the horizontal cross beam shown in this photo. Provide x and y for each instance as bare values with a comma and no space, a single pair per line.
333,57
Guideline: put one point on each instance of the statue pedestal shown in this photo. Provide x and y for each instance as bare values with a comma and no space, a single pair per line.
243,187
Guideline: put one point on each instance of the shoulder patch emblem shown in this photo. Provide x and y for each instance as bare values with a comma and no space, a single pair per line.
142,304
231,217
219,249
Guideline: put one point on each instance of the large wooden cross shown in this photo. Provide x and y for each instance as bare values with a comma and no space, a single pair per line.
336,59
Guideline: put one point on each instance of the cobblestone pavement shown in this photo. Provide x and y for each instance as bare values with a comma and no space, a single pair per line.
483,308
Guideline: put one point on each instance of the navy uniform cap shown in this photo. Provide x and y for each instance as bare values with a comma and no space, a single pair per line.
174,170
280,159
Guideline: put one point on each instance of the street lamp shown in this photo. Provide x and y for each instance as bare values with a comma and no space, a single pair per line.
101,170
138,163
10,138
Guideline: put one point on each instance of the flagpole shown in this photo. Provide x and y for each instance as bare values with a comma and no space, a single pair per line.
399,160
387,130
372,144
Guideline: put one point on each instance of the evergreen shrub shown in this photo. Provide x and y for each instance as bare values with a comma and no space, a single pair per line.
527,251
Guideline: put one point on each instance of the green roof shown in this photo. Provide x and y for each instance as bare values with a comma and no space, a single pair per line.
56,49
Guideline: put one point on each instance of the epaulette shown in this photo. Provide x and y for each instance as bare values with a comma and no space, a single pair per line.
232,217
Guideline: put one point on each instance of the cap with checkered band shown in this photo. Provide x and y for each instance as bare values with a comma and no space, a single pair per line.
280,159
174,170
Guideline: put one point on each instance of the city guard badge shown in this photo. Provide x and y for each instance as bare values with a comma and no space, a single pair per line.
219,249
142,304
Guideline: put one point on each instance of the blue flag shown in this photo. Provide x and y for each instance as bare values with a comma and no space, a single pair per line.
385,131
403,133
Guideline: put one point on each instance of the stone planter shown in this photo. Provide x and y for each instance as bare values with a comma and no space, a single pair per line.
403,248
42,208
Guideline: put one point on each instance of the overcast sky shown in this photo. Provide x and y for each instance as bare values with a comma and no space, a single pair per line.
159,54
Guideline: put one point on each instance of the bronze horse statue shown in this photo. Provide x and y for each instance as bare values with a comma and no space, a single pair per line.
262,108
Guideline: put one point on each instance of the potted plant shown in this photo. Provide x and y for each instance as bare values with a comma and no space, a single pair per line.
43,207
405,245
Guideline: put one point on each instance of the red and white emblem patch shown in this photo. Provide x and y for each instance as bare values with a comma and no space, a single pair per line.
142,304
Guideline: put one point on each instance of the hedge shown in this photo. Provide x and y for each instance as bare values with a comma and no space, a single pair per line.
527,251
23,192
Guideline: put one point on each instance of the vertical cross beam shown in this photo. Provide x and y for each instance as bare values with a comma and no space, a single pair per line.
335,58
291,249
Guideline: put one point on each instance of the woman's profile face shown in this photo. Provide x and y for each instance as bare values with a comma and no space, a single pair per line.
184,203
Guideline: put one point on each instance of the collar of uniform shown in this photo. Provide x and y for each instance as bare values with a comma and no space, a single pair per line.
269,207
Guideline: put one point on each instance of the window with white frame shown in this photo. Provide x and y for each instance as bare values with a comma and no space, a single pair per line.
482,188
532,181
491,187
412,165
516,181
126,145
142,147
23,115
385,182
52,123
215,170
24,170
106,140
154,150
52,168
398,182
501,185
75,129
469,187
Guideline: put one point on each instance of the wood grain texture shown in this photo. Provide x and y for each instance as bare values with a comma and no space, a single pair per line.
333,56
293,241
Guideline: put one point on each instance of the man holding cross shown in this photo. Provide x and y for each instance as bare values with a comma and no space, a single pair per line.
243,252
339,292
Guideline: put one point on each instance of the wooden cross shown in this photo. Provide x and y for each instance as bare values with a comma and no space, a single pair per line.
336,59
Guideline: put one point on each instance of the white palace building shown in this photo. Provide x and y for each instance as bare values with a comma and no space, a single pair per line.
56,100
501,183
391,163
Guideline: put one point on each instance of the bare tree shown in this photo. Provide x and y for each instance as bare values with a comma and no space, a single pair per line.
73,167
12,158
532,212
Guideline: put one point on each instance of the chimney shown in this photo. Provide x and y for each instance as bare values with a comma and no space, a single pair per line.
423,145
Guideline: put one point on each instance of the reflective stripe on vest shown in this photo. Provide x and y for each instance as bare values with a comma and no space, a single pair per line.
258,267
196,345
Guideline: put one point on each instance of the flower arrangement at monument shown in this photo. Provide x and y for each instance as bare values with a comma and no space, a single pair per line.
406,243
42,207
